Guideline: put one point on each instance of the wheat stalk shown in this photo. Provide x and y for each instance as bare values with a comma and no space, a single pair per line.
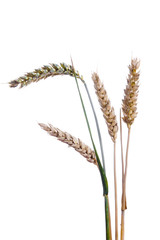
67,138
108,111
129,105
43,73
129,108
110,117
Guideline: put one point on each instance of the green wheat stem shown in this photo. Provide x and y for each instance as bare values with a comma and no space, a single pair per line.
103,176
106,204
101,169
97,125
107,218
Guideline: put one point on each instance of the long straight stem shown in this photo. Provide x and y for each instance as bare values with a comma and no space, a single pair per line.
122,158
124,188
115,194
126,167
107,218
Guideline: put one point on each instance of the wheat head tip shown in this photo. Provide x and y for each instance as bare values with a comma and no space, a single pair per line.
70,140
129,103
43,73
108,111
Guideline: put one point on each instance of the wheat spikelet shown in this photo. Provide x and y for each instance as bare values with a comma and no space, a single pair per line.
129,105
108,111
43,73
77,144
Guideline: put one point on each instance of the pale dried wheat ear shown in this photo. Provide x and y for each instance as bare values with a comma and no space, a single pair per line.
129,105
76,143
43,73
108,111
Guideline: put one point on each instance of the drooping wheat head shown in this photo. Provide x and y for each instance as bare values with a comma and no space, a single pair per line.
108,111
129,103
43,73
77,144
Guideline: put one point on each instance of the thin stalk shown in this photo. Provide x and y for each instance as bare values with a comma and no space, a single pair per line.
124,188
107,218
122,158
115,194
110,221
97,125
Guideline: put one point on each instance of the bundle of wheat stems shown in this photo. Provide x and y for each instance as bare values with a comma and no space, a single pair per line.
129,109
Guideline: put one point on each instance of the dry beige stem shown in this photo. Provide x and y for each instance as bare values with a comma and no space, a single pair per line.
77,144
108,111
129,105
43,73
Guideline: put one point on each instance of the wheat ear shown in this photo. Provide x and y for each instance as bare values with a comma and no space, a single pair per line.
43,73
108,111
76,143
129,105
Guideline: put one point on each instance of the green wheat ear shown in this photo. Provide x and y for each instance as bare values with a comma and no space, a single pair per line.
43,73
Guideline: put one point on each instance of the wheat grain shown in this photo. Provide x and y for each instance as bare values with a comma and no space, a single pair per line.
77,144
43,73
129,105
108,111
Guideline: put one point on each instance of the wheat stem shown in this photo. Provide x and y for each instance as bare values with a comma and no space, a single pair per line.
110,228
107,219
97,126
122,158
124,187
103,176
101,169
85,113
115,194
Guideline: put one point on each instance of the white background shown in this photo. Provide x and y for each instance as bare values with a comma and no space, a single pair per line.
48,191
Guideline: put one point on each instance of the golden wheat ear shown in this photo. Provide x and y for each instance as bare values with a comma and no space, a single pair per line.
129,103
73,142
43,73
108,111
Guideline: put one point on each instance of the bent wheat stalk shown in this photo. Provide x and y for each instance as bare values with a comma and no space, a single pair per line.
101,169
70,140
97,125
